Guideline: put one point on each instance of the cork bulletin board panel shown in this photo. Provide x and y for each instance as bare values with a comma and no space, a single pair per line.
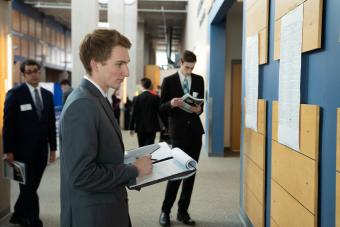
312,23
294,183
257,14
254,168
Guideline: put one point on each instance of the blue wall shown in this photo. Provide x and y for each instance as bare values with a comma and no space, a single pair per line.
320,85
216,77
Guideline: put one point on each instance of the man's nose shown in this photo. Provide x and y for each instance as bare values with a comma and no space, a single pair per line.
125,71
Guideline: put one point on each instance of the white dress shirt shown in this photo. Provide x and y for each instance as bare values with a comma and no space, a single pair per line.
31,89
96,85
182,77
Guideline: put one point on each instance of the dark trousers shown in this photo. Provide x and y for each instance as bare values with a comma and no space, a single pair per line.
146,138
27,204
192,147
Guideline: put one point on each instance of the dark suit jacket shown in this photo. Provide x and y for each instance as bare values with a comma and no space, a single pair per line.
144,117
93,175
181,123
23,133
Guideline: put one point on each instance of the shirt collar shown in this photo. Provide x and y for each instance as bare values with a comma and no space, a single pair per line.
96,85
31,88
182,77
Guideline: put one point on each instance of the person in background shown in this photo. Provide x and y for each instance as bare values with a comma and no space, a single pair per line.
66,88
144,117
29,132
127,113
185,131
92,169
116,105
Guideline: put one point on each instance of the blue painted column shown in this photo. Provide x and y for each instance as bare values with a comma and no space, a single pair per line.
216,84
216,78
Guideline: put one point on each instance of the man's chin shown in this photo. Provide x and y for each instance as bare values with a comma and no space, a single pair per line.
116,86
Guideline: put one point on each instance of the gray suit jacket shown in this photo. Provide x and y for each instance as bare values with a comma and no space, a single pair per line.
93,175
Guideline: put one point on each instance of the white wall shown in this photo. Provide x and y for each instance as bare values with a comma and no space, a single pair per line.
123,17
130,31
233,52
165,73
196,38
84,13
196,35
140,51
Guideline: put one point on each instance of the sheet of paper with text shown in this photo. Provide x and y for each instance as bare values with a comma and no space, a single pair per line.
252,81
289,78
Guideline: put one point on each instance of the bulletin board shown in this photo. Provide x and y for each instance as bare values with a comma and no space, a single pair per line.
294,182
257,14
337,209
254,168
312,23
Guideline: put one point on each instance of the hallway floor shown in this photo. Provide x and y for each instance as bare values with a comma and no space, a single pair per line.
215,200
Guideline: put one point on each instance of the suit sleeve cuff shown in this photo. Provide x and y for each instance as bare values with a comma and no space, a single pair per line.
133,174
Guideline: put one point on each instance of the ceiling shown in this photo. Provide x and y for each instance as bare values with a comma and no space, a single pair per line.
163,20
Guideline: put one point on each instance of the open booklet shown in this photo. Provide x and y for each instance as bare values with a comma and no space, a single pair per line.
189,101
15,171
168,164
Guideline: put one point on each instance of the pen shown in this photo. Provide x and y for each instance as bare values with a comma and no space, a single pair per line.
160,160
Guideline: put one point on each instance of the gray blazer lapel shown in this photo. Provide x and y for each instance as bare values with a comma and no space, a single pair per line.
109,112
107,108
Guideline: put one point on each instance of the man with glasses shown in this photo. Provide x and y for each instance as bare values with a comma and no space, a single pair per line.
28,130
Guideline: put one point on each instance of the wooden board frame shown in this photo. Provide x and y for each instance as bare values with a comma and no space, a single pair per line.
294,194
254,169
257,16
312,23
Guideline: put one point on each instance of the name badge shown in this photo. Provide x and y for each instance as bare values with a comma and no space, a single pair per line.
25,107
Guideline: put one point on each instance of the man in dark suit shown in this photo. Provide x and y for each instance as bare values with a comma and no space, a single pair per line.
185,130
144,117
29,127
66,88
93,173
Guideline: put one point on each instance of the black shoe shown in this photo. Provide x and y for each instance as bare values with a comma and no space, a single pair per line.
186,219
164,219
36,223
18,220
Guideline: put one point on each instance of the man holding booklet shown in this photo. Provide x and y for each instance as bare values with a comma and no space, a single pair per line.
182,102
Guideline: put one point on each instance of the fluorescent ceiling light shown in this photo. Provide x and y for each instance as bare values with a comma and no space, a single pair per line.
129,2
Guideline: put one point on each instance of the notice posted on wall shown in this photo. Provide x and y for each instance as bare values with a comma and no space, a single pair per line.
289,78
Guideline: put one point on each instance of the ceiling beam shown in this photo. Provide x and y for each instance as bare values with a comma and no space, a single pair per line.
49,5
56,5
162,10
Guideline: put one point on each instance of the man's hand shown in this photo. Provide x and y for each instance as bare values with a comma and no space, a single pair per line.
143,165
176,102
9,157
52,156
132,133
196,109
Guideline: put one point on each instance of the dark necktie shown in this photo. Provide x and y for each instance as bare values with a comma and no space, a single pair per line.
38,103
108,102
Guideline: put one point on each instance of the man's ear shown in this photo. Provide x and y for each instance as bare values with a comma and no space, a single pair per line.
94,65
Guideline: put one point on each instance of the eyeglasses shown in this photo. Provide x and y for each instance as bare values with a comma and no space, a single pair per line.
30,72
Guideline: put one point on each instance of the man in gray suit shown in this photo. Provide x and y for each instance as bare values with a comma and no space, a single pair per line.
93,173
